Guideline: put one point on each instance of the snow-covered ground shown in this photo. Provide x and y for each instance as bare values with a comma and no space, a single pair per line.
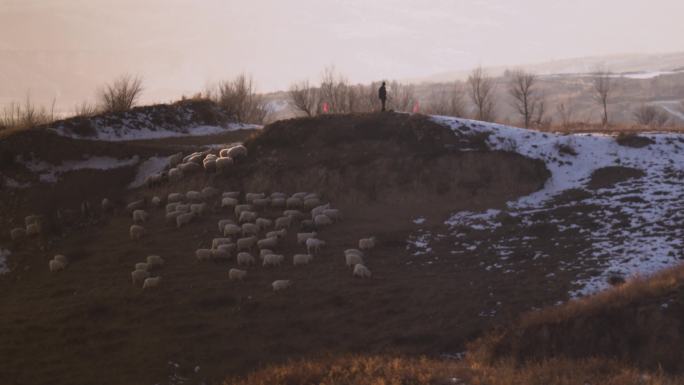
128,130
49,173
151,166
4,253
633,227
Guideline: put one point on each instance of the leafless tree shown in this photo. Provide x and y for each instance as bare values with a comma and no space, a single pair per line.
239,99
482,94
400,97
121,95
334,91
526,101
26,115
651,116
566,112
450,101
304,97
602,86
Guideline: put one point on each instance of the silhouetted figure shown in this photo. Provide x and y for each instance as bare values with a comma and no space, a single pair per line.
382,94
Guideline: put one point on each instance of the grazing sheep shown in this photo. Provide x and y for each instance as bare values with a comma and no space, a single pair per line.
237,151
156,201
175,174
283,223
154,261
141,266
278,195
216,242
175,159
223,152
174,197
140,216
193,196
223,163
151,282
17,233
228,202
240,208
294,203
203,254
367,243
231,230
171,207
361,271
277,234
231,194
313,245
183,208
295,214
209,192
196,158
250,197
230,248
322,220
184,219
333,214
353,259
263,223
139,276
278,202
220,254
137,232
261,203
190,167
281,284
246,243
209,164
248,216
264,252
300,195
353,251
301,259
273,260
245,259
107,205
250,229
319,210
311,196
57,264
236,274
310,203
222,224
198,208
61,258
302,237
267,243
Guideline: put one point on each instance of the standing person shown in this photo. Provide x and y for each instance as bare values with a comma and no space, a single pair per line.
382,94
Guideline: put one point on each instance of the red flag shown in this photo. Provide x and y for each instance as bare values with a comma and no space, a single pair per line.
325,107
416,108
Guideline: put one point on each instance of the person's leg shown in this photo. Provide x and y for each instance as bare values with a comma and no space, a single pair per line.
383,104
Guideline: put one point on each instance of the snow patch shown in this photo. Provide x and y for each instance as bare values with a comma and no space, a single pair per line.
151,166
48,173
128,131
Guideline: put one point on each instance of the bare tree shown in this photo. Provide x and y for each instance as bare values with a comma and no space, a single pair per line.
482,94
450,101
602,87
26,115
239,99
304,97
400,97
651,116
566,112
121,95
525,99
334,91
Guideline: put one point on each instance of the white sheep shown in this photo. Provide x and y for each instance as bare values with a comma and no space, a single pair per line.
322,220
273,260
151,282
183,208
294,214
223,163
267,243
175,174
203,254
228,202
184,219
261,203
220,253
229,248
223,152
264,223
319,210
313,245
175,159
275,195
222,224
139,276
61,258
172,216
236,274
333,214
190,167
231,194
301,259
278,202
154,261
353,259
174,198
240,208
141,266
283,223
277,234
216,242
302,237
17,233
250,229
107,205
209,164
136,232
56,265
135,205
353,251
246,243
244,258
281,284
195,158
367,243
250,197
361,271
193,196
156,201
237,151
248,216
264,252
140,216
310,203
293,203
231,230
300,195
171,207
33,229
198,208
209,192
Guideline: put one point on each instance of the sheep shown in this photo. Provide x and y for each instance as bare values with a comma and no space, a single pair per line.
361,271
264,252
237,151
140,216
281,284
193,196
56,265
17,233
172,216
61,258
277,234
293,203
231,230
183,208
154,261
250,197
189,167
209,164
236,274
333,214
203,254
246,243
248,216
263,223
310,203
228,202
195,158
245,259
216,242
295,214
275,195
300,195
136,205
175,174
223,163
220,254
139,276
107,205
151,282
278,202
314,244
250,229
267,243
153,180
261,203
283,223
319,210
174,197
184,219
209,192
141,266
198,208
301,259
353,251
231,194
322,220
223,152
222,224
353,259
273,260
367,243
229,248
175,159
136,232
302,237
156,201
240,208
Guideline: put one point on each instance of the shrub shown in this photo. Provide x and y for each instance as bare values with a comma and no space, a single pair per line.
121,95
239,99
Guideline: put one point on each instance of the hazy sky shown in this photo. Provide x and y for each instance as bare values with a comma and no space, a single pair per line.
184,44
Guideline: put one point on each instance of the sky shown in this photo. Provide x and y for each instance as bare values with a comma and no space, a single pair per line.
184,45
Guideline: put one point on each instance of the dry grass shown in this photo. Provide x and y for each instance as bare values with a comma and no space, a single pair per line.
616,128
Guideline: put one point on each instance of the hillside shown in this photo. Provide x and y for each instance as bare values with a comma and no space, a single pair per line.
475,223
